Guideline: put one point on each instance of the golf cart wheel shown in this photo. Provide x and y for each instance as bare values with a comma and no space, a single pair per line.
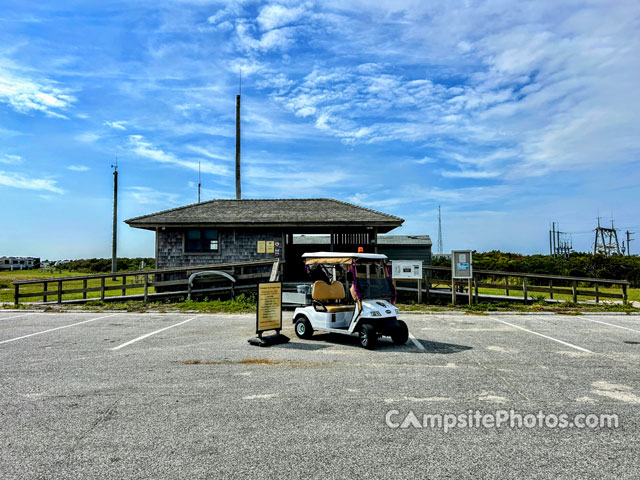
368,336
400,334
303,328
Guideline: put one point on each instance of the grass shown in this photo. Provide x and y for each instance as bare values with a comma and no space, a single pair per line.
7,289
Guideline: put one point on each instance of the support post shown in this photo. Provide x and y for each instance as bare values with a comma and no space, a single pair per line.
102,288
453,290
551,289
84,286
124,283
16,294
238,179
59,291
475,283
470,290
624,294
45,287
428,284
574,291
597,294
524,291
506,285
419,290
146,287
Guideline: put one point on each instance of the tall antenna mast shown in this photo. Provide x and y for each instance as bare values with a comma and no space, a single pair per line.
238,183
439,231
199,184
114,240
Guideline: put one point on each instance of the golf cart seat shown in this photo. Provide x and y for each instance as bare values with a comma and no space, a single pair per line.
322,292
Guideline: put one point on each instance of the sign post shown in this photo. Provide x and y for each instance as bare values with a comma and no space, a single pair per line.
461,268
269,315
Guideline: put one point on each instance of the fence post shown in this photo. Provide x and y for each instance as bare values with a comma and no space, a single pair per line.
146,287
470,289
101,288
84,286
551,289
428,284
475,282
506,283
574,291
453,290
524,290
59,291
597,293
124,282
624,294
419,290
45,287
16,294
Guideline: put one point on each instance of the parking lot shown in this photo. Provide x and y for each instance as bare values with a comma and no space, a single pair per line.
129,395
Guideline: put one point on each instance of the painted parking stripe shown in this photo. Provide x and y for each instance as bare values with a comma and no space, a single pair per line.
541,335
416,342
58,328
16,316
142,337
610,324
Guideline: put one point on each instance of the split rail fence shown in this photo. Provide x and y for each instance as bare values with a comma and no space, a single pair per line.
143,284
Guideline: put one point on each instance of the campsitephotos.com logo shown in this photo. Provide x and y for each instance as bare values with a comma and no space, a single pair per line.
499,419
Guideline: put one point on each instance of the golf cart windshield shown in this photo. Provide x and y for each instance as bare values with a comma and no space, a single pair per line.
375,288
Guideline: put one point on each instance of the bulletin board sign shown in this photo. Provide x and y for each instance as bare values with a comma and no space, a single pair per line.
262,248
269,314
461,264
406,269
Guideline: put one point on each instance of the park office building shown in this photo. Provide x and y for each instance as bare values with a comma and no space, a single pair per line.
226,231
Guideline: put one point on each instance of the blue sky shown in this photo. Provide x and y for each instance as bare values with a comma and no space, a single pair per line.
508,114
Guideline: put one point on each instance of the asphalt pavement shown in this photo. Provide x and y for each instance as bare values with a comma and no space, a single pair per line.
130,395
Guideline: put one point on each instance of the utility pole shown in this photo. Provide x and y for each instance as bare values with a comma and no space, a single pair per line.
199,183
629,241
114,240
440,232
238,184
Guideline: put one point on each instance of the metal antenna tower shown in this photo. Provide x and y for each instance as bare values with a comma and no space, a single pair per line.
439,231
606,241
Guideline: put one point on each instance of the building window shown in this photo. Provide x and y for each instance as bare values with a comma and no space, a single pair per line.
201,240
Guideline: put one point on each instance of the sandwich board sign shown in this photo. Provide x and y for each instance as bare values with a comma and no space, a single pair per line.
269,315
461,266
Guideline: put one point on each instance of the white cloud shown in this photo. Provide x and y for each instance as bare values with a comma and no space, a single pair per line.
119,125
276,16
26,95
149,196
78,168
145,149
87,137
10,159
10,179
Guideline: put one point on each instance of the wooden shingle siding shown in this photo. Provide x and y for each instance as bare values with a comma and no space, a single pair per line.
240,246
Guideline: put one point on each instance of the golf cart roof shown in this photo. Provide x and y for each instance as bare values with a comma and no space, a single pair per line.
315,258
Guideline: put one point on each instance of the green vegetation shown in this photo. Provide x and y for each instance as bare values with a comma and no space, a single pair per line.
616,267
103,265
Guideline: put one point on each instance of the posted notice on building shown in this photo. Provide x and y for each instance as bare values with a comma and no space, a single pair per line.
269,315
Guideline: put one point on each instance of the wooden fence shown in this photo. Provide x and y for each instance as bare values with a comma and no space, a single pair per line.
526,283
170,282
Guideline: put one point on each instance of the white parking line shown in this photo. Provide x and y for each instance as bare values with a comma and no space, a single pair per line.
152,333
16,316
610,324
541,335
416,342
57,328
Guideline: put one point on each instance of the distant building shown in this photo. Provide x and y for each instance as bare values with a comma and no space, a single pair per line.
19,263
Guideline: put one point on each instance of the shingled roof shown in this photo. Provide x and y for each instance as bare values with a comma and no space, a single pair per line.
317,212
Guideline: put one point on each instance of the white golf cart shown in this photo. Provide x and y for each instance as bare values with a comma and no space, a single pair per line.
371,312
